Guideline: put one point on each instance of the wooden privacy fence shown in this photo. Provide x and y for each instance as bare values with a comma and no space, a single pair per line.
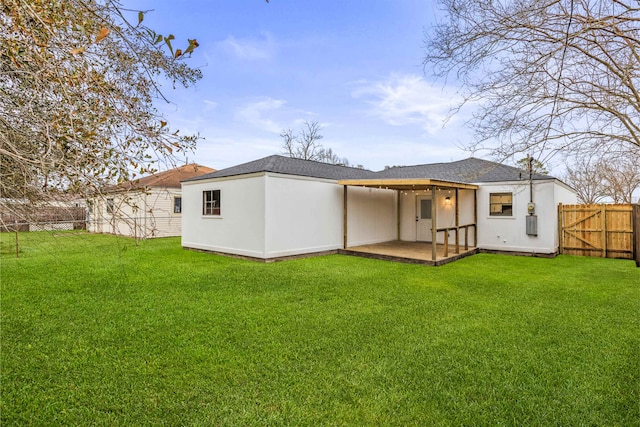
606,231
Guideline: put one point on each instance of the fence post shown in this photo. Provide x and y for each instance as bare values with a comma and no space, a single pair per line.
15,224
603,213
636,233
560,228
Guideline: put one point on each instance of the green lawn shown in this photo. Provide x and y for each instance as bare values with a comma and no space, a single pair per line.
98,331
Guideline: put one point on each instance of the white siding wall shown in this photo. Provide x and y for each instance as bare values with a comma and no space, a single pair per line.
270,215
94,208
445,214
466,216
240,229
137,214
372,216
125,219
120,220
509,233
273,215
467,207
303,215
160,221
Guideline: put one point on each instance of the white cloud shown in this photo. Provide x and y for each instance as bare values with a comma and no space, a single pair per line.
408,100
249,49
259,114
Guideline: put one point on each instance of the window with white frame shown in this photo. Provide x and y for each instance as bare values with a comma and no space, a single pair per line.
211,202
501,204
177,205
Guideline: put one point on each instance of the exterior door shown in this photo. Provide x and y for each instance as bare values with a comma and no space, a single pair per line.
423,218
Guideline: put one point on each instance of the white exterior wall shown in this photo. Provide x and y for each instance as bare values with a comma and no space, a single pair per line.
137,214
264,215
272,215
372,216
509,233
240,229
466,215
269,215
303,215
160,221
445,214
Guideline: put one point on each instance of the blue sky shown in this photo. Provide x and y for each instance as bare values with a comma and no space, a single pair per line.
353,66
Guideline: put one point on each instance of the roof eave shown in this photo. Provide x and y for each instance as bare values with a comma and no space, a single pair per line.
405,184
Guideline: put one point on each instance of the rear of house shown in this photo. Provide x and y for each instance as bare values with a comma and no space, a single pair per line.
270,208
279,207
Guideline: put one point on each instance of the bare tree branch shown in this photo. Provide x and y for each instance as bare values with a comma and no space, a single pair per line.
548,76
305,145
606,177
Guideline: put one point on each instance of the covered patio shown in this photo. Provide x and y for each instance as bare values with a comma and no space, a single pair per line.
436,221
409,252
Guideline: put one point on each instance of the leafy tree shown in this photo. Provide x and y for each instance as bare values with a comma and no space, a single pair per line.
547,76
78,82
305,145
536,165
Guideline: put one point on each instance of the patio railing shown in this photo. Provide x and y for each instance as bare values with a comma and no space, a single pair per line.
457,229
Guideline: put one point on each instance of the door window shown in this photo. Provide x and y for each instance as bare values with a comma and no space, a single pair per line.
425,209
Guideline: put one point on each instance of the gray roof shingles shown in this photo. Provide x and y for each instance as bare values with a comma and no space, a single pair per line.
289,166
466,171
469,170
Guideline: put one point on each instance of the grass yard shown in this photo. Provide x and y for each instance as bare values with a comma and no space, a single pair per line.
98,331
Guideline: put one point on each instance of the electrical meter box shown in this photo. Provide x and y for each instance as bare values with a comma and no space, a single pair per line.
532,225
531,208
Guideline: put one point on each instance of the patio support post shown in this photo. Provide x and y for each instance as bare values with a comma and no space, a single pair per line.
475,218
434,223
398,193
466,238
344,217
457,223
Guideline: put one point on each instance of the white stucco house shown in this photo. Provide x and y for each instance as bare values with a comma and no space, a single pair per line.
147,207
279,207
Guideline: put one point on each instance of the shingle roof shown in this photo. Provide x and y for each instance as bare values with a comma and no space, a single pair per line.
166,179
468,171
289,166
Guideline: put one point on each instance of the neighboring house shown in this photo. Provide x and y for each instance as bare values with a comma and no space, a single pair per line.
278,206
147,207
